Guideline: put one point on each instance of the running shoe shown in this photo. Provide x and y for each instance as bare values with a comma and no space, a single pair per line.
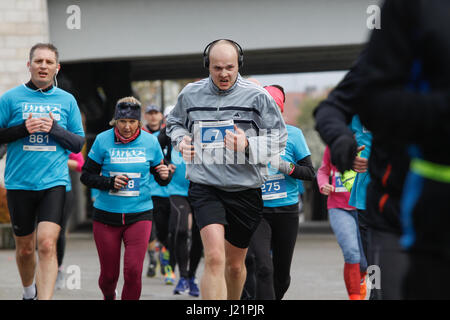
363,287
193,288
169,275
182,286
35,295
114,297
163,259
151,271
60,280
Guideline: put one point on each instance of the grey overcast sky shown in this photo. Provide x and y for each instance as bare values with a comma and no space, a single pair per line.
297,82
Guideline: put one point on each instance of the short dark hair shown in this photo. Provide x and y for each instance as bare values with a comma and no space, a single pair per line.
48,46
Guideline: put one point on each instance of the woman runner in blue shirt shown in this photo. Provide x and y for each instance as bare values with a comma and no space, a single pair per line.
274,240
119,165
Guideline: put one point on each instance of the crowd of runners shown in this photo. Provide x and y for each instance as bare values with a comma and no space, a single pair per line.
216,176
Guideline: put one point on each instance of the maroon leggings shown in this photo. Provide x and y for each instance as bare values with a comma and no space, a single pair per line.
108,240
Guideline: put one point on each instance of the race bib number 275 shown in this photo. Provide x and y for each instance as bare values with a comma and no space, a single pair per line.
274,187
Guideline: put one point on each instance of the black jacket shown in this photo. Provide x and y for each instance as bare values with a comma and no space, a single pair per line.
333,116
400,88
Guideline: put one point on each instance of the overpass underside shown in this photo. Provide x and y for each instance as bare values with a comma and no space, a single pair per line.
256,62
272,61
108,44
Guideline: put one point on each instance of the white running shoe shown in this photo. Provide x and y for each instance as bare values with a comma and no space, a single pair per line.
60,280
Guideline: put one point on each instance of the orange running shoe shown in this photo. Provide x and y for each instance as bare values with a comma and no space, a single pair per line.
363,286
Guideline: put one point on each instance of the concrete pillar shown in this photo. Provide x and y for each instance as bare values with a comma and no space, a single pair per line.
23,23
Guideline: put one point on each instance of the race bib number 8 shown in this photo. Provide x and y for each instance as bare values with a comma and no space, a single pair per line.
131,189
213,133
274,187
39,142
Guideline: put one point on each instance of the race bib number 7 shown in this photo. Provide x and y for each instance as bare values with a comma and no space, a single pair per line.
213,133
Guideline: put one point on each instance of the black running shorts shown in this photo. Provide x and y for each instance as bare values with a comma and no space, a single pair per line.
239,212
28,207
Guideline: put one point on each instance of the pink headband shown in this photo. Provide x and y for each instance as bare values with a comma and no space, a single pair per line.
277,94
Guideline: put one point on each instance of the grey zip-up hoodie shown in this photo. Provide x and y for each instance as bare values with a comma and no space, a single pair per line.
250,107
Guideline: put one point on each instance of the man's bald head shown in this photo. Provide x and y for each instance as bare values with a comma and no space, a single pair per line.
223,57
224,47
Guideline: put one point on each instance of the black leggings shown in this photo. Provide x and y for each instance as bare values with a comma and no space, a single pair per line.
179,233
385,252
196,250
61,243
179,237
259,282
161,216
272,246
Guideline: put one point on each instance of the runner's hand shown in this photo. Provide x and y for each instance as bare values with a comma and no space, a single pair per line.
360,164
33,124
163,171
172,167
187,149
47,123
120,181
236,141
326,189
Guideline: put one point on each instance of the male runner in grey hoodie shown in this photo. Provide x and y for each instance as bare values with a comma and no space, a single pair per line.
227,129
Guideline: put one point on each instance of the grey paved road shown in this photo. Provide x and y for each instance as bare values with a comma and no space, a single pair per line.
317,272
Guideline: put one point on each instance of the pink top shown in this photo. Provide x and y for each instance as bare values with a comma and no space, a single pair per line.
78,157
340,196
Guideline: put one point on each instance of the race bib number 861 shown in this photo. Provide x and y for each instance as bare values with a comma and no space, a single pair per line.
39,142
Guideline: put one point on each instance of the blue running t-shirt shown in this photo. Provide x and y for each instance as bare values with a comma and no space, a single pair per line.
179,185
362,179
133,159
280,189
38,162
157,190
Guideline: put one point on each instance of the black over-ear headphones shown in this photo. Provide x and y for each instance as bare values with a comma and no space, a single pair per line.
208,48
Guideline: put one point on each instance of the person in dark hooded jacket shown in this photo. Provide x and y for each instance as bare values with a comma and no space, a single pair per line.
402,96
